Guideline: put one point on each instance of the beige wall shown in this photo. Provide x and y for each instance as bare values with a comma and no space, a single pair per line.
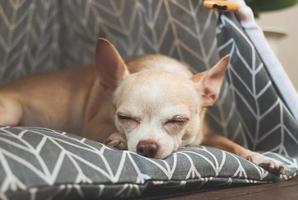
287,21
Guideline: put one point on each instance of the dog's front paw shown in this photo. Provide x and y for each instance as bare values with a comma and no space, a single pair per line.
116,140
267,163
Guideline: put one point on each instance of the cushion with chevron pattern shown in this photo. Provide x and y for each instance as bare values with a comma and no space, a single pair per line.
39,163
45,164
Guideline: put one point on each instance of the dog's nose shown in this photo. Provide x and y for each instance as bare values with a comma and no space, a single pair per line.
147,148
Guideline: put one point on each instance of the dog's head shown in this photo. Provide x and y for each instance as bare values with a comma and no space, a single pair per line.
157,111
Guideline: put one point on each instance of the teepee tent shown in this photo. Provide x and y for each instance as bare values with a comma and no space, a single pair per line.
258,106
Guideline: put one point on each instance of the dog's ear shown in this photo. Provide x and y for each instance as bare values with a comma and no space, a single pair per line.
110,66
209,82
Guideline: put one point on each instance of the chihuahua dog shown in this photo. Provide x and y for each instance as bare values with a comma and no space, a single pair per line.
151,104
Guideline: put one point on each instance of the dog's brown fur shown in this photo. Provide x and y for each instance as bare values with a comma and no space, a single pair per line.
84,100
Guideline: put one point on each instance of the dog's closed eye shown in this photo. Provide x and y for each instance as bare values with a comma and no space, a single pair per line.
177,119
127,118
175,124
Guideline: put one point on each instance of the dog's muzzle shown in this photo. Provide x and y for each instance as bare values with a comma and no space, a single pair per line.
147,148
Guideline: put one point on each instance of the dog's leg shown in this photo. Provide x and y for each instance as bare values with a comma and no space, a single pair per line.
10,112
216,140
116,140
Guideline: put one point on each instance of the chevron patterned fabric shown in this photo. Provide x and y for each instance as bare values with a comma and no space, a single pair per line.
38,163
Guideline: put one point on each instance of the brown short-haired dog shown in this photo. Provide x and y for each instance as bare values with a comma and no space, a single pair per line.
151,104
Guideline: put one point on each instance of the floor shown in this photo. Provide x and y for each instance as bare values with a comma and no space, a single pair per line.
279,191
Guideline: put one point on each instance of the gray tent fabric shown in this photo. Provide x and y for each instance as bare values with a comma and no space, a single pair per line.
39,163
